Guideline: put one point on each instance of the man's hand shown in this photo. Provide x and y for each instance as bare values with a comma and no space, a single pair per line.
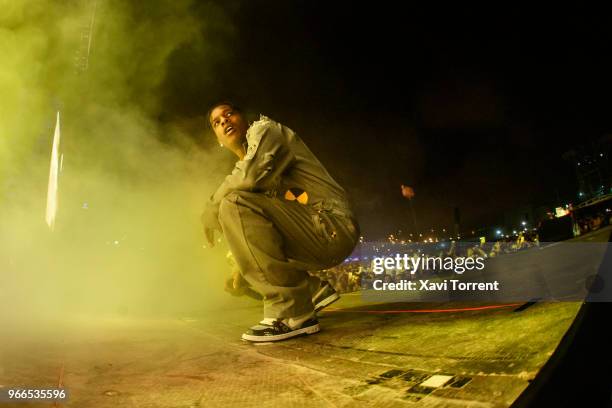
209,236
210,224
236,285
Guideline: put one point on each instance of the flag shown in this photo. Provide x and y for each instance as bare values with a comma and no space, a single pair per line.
407,191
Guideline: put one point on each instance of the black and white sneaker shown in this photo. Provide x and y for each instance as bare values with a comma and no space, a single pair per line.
325,296
279,331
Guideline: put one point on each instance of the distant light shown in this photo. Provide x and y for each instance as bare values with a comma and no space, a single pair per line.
581,194
514,231
523,223
498,232
579,163
600,154
561,212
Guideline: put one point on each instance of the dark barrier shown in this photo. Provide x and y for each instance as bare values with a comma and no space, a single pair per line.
578,373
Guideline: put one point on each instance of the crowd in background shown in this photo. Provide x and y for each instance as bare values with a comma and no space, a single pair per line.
348,276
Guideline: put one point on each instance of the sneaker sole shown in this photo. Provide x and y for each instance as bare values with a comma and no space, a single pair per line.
326,302
299,332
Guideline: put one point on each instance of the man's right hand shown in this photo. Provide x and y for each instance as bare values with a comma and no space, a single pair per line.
210,223
209,236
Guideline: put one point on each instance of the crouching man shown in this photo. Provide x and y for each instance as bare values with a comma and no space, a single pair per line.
282,215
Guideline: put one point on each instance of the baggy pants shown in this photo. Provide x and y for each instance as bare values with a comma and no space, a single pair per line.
275,242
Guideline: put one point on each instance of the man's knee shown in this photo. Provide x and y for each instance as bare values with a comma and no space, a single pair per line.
227,207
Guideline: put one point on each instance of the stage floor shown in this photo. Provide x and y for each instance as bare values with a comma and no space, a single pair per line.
429,355
461,358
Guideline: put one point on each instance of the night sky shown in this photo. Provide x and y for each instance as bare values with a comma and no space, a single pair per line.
472,112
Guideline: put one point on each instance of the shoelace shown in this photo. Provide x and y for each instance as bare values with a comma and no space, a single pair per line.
279,325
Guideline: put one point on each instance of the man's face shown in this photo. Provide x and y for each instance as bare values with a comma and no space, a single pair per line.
229,126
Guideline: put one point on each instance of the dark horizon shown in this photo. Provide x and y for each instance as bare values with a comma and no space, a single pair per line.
472,113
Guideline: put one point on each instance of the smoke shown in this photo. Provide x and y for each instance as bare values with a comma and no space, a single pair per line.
127,237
